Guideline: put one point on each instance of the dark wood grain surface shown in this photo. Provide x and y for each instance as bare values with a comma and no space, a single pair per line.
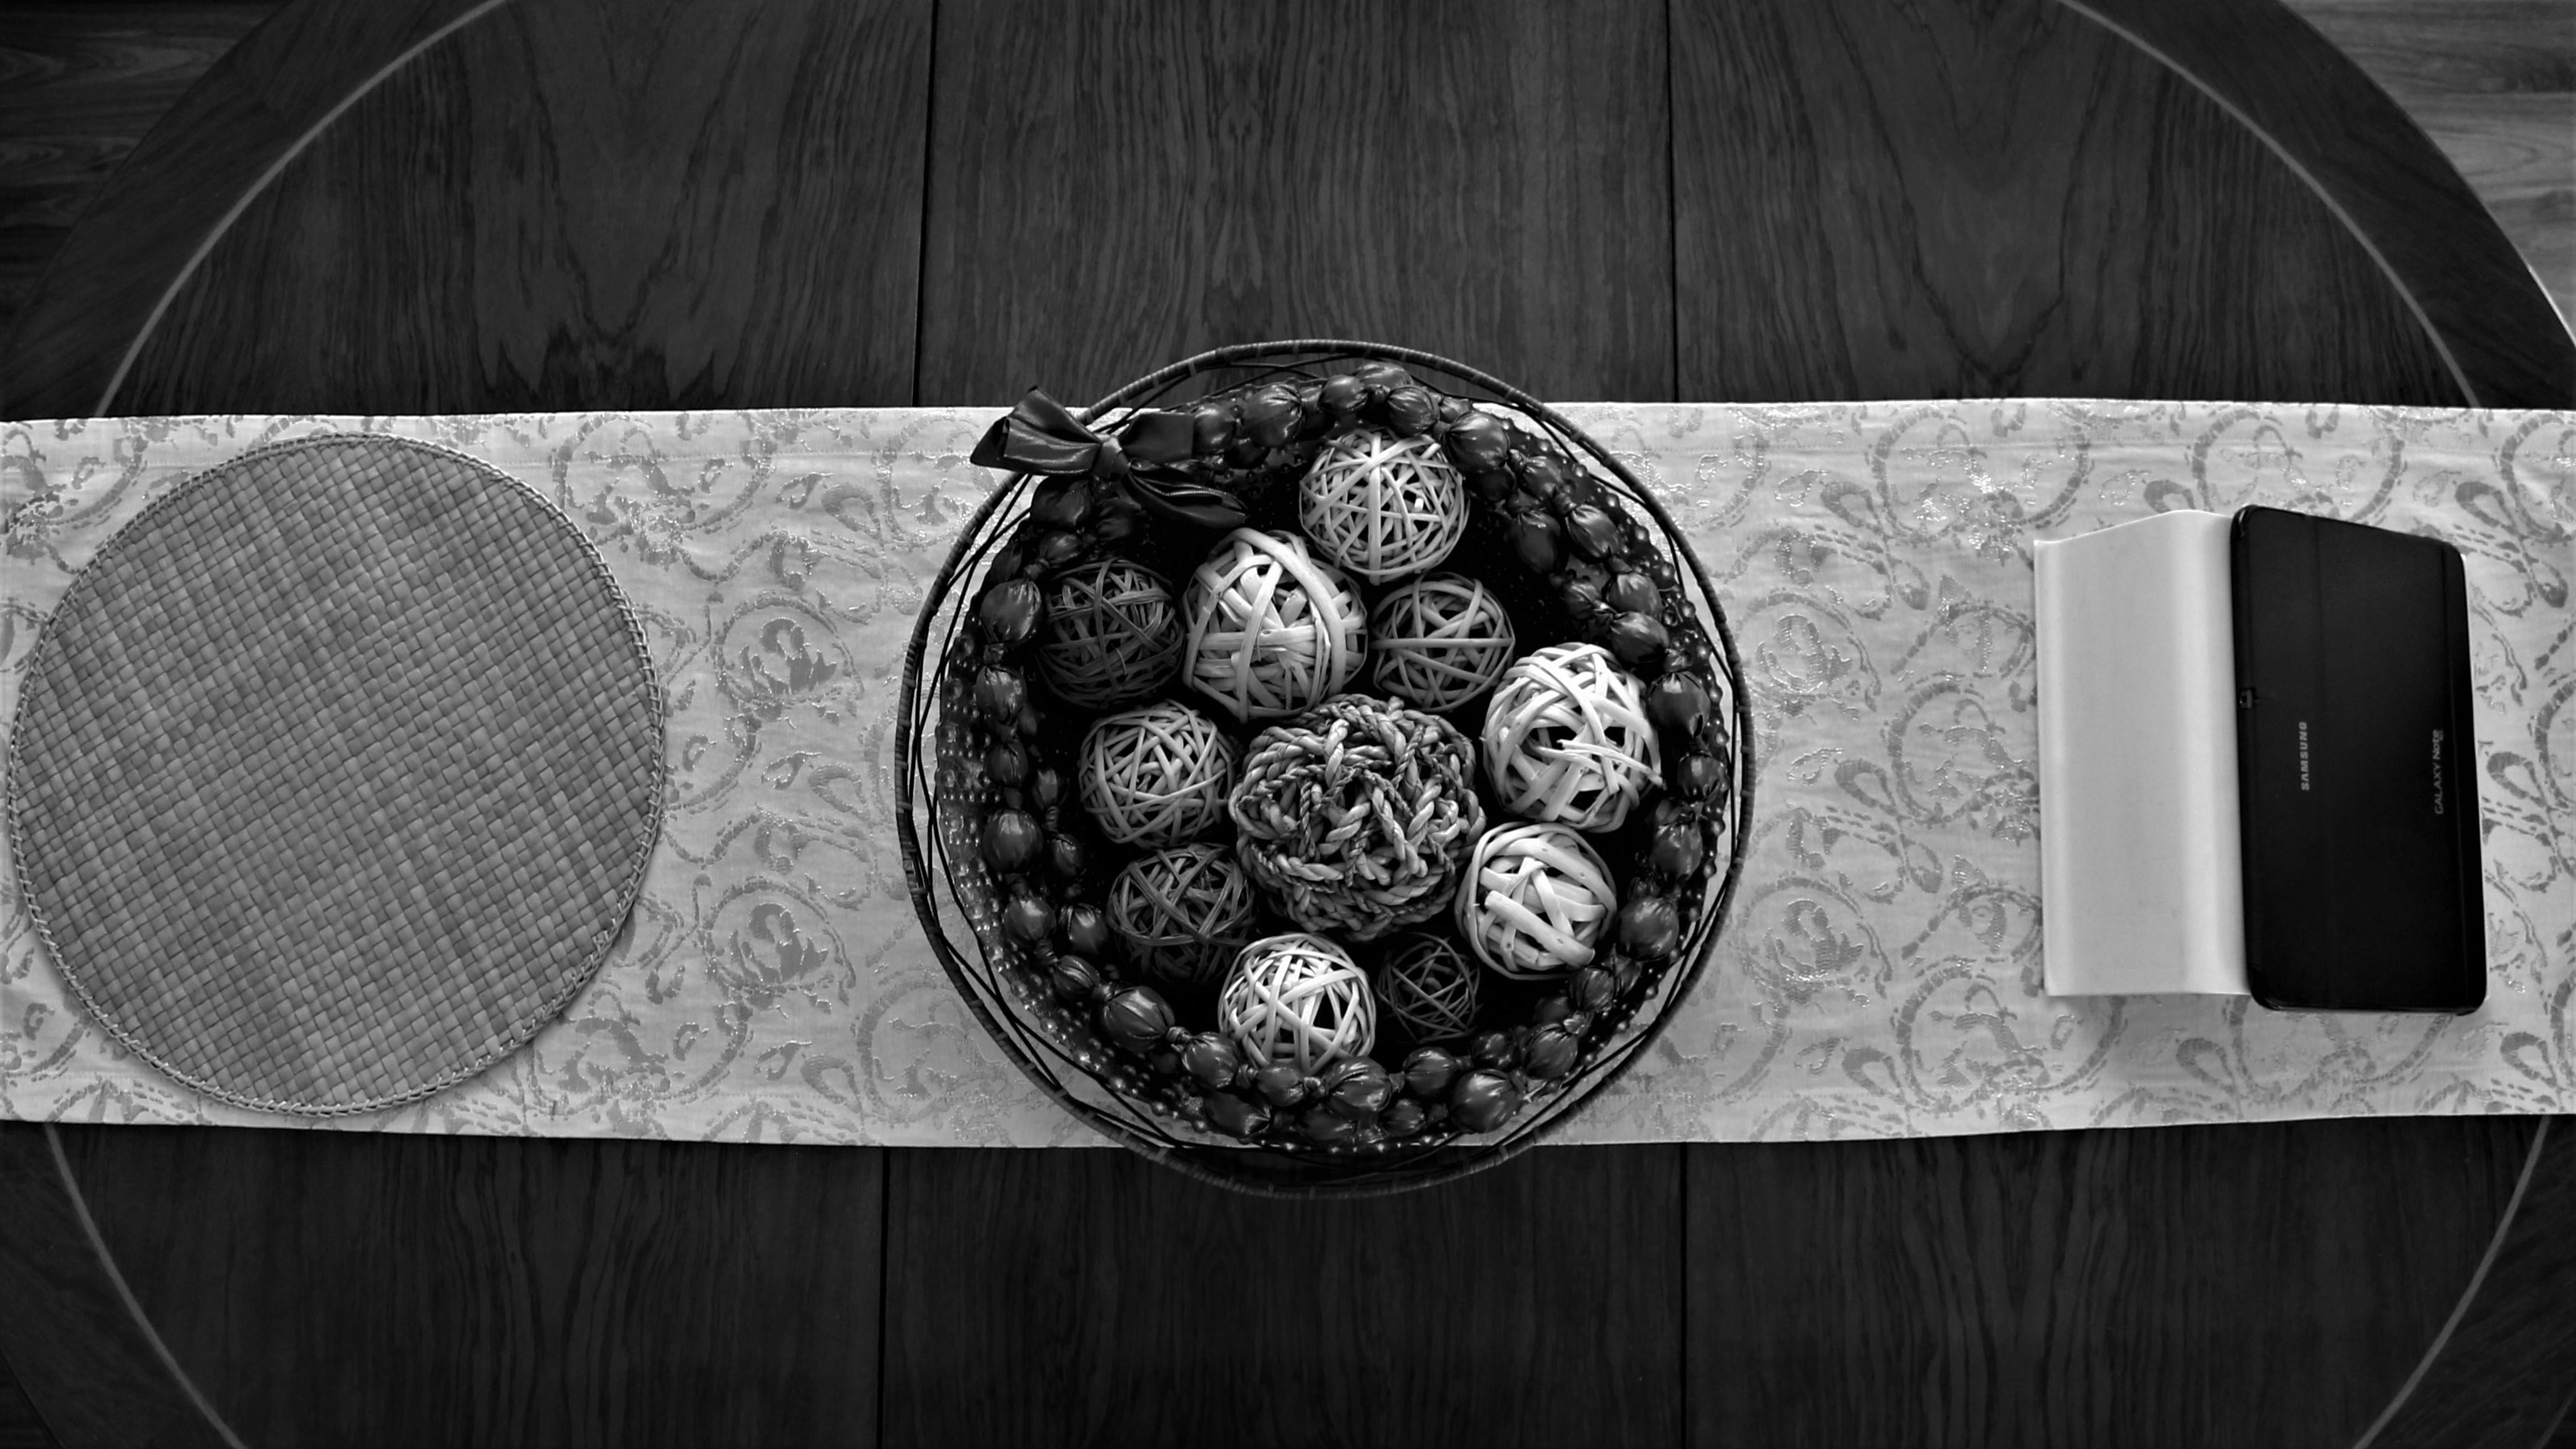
2392,188
472,1290
2503,1367
107,287
2157,1286
2006,220
879,204
96,1370
669,208
20,1425
80,84
2493,83
1121,182
1094,1298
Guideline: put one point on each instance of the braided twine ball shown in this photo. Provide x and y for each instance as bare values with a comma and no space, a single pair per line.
1112,635
1567,739
1429,987
1297,1000
1157,775
1182,913
1534,900
1356,817
1440,641
1270,629
1383,506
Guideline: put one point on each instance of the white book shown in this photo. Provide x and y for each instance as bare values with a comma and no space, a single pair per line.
2141,885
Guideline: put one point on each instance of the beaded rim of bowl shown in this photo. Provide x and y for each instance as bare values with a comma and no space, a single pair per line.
1440,641
1158,775
1113,634
1279,994
1535,899
1293,628
1182,914
1567,739
1383,506
1429,985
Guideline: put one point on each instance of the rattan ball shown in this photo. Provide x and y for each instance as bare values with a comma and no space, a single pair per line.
1429,987
1112,635
1269,628
1297,1000
1440,641
1567,739
1357,816
1383,506
1534,900
1183,914
1156,776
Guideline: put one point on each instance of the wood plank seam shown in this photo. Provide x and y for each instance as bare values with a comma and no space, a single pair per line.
1673,246
125,1294
929,142
885,1224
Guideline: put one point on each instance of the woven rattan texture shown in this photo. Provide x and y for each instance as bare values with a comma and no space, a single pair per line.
1383,506
1298,1000
1356,817
1535,900
336,774
1440,641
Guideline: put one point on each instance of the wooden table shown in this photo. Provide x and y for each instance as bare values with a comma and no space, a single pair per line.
433,205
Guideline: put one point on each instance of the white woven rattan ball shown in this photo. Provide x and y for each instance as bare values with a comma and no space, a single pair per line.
1440,641
1157,775
1427,985
1271,629
1567,739
1535,899
1383,506
1297,1000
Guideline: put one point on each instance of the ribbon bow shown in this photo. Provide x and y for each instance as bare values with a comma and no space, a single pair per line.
1142,461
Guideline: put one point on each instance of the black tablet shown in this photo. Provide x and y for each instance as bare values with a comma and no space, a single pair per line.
2356,768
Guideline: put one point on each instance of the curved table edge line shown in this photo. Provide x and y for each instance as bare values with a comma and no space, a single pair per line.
267,177
2280,151
79,1204
2469,1294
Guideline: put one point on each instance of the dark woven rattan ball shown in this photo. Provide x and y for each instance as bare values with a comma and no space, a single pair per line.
1356,817
1440,641
1428,986
1183,914
1156,775
1112,635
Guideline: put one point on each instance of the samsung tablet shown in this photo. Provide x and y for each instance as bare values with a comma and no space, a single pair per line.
2356,768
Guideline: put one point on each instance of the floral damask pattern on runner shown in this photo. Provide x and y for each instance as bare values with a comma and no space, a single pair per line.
1880,975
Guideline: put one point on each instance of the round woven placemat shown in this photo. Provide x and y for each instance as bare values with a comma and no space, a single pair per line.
335,774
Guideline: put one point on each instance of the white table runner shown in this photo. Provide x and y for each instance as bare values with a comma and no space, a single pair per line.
1880,975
